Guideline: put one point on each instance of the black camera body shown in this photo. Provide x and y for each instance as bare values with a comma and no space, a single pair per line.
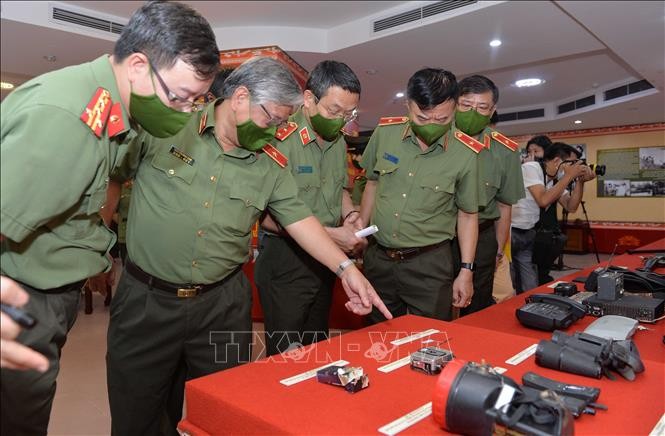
599,170
565,289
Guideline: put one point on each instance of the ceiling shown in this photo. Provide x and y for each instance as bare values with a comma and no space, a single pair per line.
578,48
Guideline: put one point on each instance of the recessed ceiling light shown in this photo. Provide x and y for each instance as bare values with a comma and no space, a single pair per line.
399,95
495,43
6,85
50,58
529,82
371,71
578,121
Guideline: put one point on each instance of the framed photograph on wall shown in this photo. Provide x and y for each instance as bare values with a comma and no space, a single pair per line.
632,172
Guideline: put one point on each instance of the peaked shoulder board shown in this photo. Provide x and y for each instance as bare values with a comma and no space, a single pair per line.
512,145
470,142
96,112
389,121
286,131
275,155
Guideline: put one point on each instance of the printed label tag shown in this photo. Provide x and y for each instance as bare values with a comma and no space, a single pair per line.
414,337
522,355
407,420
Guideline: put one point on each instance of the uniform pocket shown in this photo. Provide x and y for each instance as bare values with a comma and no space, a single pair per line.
169,183
248,204
436,192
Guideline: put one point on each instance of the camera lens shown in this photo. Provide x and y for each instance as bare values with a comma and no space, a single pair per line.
598,169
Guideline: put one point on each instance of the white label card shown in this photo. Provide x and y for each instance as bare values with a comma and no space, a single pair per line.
396,364
522,355
414,337
407,420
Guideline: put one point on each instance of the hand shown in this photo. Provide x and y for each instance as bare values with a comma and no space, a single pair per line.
12,354
361,294
346,239
463,288
101,282
574,170
355,220
587,175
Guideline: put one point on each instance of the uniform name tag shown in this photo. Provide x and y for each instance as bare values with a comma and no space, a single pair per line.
305,169
390,157
182,156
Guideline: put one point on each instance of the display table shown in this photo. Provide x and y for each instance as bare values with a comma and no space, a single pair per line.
250,399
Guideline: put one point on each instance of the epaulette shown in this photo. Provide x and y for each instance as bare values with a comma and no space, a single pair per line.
97,111
203,122
512,145
389,121
275,155
286,131
470,142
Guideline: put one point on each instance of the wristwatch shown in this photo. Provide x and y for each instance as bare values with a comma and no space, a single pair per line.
342,266
469,265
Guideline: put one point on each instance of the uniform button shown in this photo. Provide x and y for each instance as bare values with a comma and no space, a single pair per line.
213,179
404,195
323,180
384,171
436,188
394,235
410,174
206,204
194,263
248,202
396,214
199,233
487,183
171,171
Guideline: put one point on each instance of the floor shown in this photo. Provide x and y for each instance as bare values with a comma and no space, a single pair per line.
81,406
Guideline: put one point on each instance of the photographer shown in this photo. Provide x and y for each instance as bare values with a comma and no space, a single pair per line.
546,182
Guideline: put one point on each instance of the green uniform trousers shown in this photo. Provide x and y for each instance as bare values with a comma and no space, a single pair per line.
420,285
483,276
153,333
27,396
295,292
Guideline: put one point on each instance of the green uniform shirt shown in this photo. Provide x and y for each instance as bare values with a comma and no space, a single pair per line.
123,210
500,174
54,173
419,192
319,171
193,205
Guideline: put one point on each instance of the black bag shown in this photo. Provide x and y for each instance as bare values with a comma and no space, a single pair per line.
547,246
549,241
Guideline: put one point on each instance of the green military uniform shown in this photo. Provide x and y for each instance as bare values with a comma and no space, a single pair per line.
192,210
358,188
60,137
417,198
123,214
501,177
295,289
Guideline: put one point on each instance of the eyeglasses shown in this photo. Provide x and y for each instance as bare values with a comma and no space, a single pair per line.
482,108
193,105
273,121
348,116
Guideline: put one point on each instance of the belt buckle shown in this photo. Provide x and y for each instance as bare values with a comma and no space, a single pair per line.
188,292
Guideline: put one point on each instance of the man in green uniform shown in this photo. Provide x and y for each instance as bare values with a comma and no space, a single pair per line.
195,199
422,183
295,289
64,129
500,179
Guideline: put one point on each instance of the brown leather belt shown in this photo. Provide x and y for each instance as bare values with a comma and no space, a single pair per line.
485,224
182,291
408,253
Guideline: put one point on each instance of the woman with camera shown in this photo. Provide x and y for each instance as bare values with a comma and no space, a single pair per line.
534,219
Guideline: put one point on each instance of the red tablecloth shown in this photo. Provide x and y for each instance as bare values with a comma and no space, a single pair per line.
250,399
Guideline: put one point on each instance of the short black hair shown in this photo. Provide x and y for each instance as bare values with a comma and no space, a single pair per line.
216,87
166,31
541,140
327,74
478,84
430,87
559,149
